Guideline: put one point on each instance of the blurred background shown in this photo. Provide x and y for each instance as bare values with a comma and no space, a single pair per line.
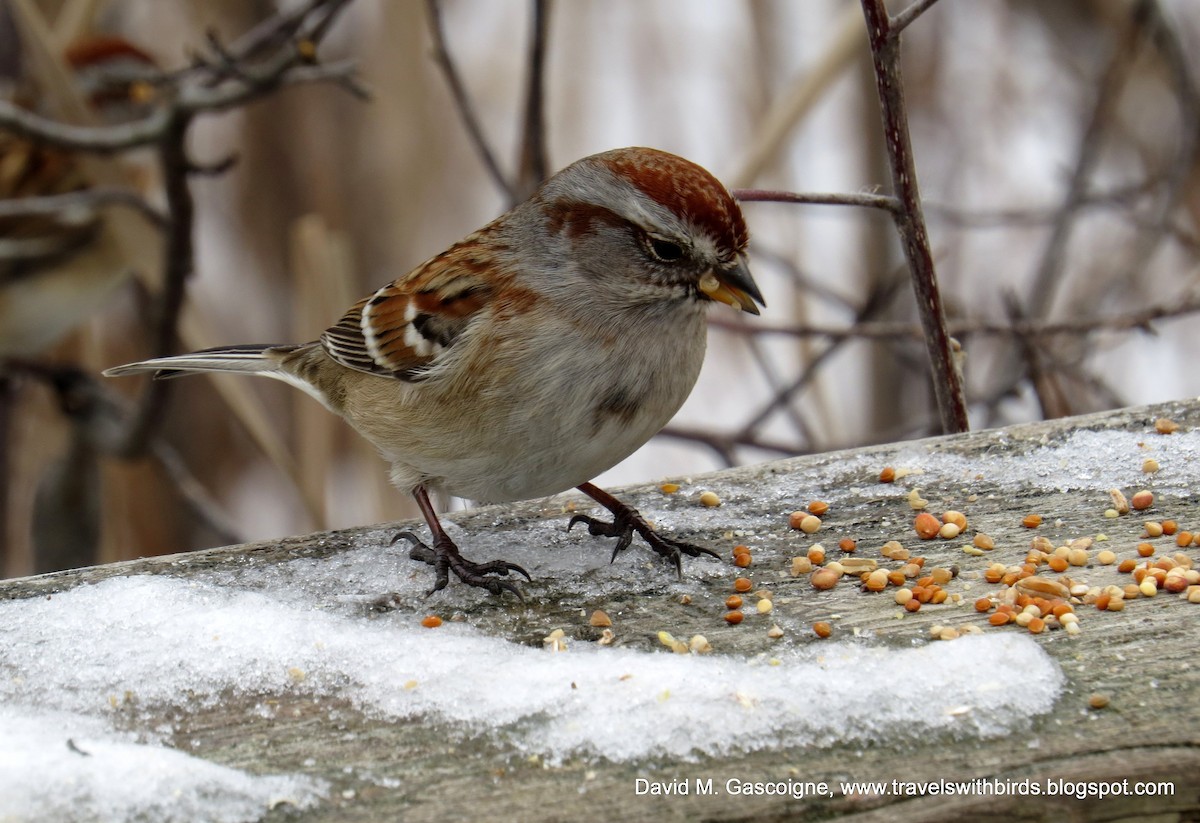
1056,145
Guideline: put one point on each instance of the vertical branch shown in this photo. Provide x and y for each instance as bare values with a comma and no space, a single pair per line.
441,55
178,265
910,221
532,167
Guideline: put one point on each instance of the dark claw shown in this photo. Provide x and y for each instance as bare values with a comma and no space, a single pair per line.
626,521
444,557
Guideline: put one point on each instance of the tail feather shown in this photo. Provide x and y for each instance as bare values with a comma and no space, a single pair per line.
250,358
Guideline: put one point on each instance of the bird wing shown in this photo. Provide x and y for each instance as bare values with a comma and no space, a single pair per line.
402,329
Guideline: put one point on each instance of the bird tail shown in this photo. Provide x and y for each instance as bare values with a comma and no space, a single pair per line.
252,359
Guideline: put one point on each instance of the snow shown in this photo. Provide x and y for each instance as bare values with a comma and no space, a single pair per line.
57,765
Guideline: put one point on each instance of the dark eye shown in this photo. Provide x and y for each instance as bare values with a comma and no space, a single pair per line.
665,250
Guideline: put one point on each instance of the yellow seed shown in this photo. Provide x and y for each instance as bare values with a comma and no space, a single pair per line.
1165,425
1153,528
764,606
1193,594
948,633
1077,557
1111,513
1105,557
905,595
1148,587
710,499
1149,465
949,531
810,524
916,501
957,518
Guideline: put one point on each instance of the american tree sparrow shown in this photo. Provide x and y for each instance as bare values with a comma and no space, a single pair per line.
534,354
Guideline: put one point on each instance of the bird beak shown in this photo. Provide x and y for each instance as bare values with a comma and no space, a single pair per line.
733,286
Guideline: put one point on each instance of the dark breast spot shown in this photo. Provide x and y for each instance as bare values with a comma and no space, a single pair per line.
617,403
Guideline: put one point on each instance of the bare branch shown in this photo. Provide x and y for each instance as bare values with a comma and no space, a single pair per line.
533,167
458,91
910,221
905,18
860,200
84,199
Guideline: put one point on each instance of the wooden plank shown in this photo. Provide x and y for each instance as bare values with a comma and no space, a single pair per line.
1143,657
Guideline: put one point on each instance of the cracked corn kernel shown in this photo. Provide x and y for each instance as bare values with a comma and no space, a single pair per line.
801,565
916,501
599,619
432,621
983,541
709,499
775,632
699,644
822,629
1119,502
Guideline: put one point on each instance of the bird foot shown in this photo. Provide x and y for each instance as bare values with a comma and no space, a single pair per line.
627,520
443,555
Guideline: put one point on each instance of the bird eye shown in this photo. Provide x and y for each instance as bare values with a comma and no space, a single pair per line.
665,250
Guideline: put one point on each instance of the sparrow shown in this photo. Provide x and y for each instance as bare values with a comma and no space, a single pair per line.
535,353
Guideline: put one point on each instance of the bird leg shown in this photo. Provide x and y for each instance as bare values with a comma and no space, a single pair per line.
443,555
626,521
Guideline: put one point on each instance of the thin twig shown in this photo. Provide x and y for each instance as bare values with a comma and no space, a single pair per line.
1137,320
860,200
84,199
462,102
909,219
905,18
533,167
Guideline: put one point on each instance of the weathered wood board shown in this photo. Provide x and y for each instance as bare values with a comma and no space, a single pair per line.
1142,657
